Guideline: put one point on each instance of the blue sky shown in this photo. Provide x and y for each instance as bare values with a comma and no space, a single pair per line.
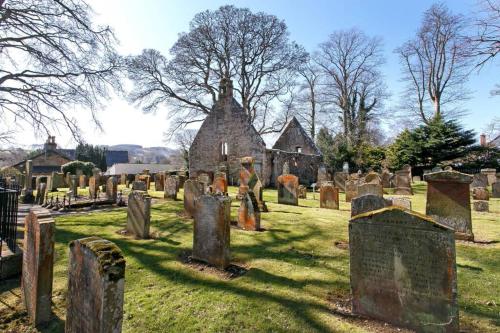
156,24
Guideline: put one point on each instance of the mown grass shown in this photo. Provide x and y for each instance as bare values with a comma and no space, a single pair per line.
294,271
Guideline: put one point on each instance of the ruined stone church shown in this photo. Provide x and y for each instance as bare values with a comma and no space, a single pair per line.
227,135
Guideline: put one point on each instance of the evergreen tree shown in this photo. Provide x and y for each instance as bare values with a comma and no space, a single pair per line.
90,153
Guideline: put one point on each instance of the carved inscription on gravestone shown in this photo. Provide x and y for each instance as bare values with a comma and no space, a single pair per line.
403,270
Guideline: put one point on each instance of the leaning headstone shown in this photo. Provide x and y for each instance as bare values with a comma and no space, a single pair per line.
302,192
328,197
367,203
83,181
170,188
160,181
448,201
370,188
400,202
480,193
93,187
112,189
403,270
287,190
211,230
249,213
351,190
479,180
139,214
402,183
491,175
495,193
139,186
192,190
38,264
481,206
249,180
96,286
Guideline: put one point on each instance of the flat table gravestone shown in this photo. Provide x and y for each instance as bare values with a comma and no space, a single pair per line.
403,270
139,214
479,180
367,203
93,187
481,206
288,190
160,181
112,189
370,188
171,187
192,190
495,189
38,264
249,213
139,185
448,201
211,230
96,286
402,183
328,197
351,190
480,193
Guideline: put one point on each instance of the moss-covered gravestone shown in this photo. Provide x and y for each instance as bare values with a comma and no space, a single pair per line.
328,196
95,286
288,186
403,270
211,229
448,201
139,214
38,265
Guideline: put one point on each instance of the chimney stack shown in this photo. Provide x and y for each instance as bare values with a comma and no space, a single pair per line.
482,140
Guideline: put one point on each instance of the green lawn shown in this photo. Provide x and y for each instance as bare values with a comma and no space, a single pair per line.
297,279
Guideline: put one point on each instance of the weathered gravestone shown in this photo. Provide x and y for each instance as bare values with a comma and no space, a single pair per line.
67,179
339,179
74,186
302,192
286,169
322,175
139,214
123,179
288,190
211,230
204,178
328,196
93,187
480,193
416,179
171,187
220,183
249,213
83,181
112,189
146,179
139,186
96,286
385,178
40,193
192,190
403,270
402,182
370,188
249,181
479,180
160,181
373,178
481,206
400,202
448,201
57,181
351,190
38,264
367,203
495,193
491,175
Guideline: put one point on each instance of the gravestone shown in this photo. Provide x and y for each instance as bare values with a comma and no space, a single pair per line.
370,188
67,179
139,186
407,168
448,201
96,286
146,179
182,179
287,190
83,181
170,188
211,230
139,214
385,178
491,175
249,180
402,182
495,193
29,175
74,186
123,179
192,190
339,179
112,189
302,192
38,265
373,178
400,202
57,180
40,193
285,169
479,180
328,197
93,187
480,193
481,206
160,181
367,203
351,190
322,175
204,178
403,270
220,183
249,213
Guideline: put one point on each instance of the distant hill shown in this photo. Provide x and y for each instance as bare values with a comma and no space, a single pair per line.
147,154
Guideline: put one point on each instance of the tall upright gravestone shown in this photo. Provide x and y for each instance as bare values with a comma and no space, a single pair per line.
403,270
96,286
403,183
192,190
249,181
38,265
139,214
171,188
328,196
448,201
288,186
159,181
211,230
249,213
112,189
93,187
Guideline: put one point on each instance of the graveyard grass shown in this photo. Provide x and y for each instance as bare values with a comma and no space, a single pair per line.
297,279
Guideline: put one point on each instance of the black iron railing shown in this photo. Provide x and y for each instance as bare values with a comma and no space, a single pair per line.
8,218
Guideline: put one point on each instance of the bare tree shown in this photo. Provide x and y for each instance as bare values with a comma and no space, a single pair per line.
252,49
352,84
183,139
436,65
52,57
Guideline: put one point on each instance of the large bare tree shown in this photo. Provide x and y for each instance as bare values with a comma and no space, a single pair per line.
252,49
353,86
436,65
53,59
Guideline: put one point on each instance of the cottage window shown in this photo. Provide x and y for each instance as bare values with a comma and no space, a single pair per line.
298,149
224,151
